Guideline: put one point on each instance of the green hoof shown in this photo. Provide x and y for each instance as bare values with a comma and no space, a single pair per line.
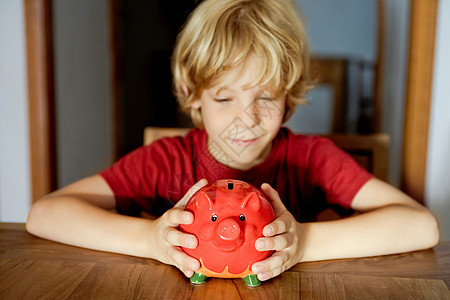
198,278
252,280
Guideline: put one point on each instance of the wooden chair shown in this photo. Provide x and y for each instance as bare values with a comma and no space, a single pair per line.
334,73
154,133
371,151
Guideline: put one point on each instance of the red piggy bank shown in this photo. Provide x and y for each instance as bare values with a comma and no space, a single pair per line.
229,215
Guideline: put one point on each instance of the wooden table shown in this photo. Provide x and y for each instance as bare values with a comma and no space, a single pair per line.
32,268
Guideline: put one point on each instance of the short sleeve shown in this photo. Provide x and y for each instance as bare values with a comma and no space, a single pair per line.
128,176
335,172
152,178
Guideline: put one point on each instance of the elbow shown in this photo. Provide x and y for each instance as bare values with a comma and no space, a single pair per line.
37,217
431,232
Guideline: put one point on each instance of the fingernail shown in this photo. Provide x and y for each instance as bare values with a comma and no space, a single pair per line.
269,231
190,242
188,218
263,276
256,269
260,245
194,266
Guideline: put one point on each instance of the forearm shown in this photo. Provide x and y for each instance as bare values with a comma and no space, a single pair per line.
71,220
390,229
390,222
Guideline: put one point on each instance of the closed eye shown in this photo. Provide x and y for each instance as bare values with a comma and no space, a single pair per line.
266,98
222,100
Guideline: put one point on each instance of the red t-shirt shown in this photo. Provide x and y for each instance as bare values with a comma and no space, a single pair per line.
310,173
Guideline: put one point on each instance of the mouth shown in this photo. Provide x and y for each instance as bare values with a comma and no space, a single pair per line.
243,142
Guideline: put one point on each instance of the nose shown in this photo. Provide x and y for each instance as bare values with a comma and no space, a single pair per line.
229,230
253,114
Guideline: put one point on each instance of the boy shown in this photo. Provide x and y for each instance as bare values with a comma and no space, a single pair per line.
239,67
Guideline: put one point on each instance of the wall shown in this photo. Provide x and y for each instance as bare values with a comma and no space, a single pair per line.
393,85
83,88
344,29
83,99
437,194
14,159
348,28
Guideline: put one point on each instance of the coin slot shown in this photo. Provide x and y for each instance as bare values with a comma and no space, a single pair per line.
230,185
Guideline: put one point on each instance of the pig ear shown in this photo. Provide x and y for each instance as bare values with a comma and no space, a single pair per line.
251,201
204,201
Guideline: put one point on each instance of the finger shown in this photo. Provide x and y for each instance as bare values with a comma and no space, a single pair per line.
279,226
276,243
271,266
183,261
272,262
201,183
273,272
260,267
177,238
270,274
274,198
176,216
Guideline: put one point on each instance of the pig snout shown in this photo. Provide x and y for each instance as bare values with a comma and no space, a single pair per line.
228,235
229,230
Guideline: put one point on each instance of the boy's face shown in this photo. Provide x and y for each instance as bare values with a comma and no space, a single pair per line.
241,122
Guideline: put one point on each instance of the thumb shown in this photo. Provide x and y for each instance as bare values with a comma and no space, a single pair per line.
182,203
274,198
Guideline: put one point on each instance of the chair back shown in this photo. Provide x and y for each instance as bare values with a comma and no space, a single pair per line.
334,73
371,151
152,134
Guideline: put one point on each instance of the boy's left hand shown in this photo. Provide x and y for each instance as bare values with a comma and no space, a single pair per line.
284,235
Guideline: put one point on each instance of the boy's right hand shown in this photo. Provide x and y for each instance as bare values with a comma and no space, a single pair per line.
166,239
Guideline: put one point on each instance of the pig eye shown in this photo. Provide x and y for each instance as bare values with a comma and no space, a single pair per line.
214,218
242,217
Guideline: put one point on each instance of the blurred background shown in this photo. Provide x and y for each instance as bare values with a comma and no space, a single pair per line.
109,66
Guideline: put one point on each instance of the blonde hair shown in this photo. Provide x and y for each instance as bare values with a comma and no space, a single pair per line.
222,34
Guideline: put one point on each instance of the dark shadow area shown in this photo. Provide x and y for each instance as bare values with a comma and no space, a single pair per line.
146,35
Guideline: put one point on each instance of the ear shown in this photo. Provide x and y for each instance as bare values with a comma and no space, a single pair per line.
251,201
184,87
196,104
204,201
